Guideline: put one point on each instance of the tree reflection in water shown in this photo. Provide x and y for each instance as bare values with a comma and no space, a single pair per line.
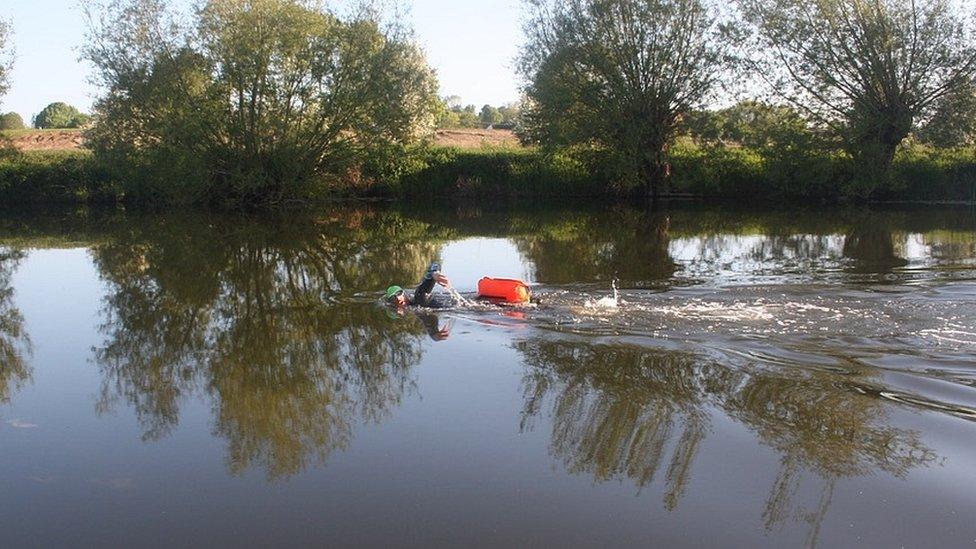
872,247
630,245
264,320
623,412
14,341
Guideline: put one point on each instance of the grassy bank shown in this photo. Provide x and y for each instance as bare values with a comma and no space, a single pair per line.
515,173
919,175
731,174
60,177
490,173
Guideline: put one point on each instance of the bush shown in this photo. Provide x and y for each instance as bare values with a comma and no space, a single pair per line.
922,173
12,121
55,177
494,174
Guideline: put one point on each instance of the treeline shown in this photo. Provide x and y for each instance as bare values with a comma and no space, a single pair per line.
56,116
271,101
624,77
454,114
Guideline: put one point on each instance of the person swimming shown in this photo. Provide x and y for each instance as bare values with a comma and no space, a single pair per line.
424,295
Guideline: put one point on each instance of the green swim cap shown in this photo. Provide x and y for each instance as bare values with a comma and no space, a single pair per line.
392,292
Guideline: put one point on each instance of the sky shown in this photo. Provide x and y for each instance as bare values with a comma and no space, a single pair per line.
471,44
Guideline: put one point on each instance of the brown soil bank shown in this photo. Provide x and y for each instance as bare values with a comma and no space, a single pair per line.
473,139
60,140
47,140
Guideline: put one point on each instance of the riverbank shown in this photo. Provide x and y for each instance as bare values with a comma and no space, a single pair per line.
503,173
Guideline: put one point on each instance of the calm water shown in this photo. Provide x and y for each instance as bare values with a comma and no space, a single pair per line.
799,378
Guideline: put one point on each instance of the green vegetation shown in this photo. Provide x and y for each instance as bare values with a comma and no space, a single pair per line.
919,173
618,75
252,102
257,103
55,177
494,174
59,116
866,70
454,114
12,121
6,57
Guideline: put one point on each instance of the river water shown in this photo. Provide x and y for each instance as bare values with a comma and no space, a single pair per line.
686,377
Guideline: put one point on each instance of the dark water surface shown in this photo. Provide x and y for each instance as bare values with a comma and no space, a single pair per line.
788,379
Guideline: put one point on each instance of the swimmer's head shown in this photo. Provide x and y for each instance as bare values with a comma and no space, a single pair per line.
395,296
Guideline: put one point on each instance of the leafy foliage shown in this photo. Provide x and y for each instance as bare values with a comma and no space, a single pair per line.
12,121
454,114
60,116
256,101
868,69
618,75
6,57
953,121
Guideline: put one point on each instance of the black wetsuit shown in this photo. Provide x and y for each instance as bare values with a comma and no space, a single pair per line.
424,296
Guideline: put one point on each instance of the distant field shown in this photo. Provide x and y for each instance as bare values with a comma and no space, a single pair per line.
62,140
46,140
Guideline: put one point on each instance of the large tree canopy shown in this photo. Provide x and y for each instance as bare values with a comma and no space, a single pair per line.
618,74
870,69
265,98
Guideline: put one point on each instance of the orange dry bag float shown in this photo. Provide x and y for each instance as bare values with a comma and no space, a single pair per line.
504,290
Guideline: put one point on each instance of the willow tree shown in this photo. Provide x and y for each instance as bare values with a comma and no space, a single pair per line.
6,57
618,75
869,69
266,99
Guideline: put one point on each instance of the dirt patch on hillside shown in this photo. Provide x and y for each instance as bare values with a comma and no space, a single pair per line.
49,140
473,139
55,140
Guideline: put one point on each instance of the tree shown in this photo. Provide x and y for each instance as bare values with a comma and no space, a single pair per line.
59,116
254,101
6,57
953,120
618,74
751,124
868,69
490,116
511,114
12,121
467,118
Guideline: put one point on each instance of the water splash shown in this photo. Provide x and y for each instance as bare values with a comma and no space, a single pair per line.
610,302
459,299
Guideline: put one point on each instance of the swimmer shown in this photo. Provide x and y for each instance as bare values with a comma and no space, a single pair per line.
424,295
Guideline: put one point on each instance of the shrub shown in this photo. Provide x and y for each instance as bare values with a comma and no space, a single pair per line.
12,121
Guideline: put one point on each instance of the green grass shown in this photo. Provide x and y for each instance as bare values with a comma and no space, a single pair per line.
495,173
55,177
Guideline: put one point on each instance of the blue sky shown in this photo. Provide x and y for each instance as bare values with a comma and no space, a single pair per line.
471,44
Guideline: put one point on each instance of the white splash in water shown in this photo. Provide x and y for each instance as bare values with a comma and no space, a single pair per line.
950,335
606,303
718,311
460,299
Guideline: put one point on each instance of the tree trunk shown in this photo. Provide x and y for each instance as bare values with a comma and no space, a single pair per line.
875,145
655,171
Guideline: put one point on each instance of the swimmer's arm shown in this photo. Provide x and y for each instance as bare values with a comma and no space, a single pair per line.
434,330
421,296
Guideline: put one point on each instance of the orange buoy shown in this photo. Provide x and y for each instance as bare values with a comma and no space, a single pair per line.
505,290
